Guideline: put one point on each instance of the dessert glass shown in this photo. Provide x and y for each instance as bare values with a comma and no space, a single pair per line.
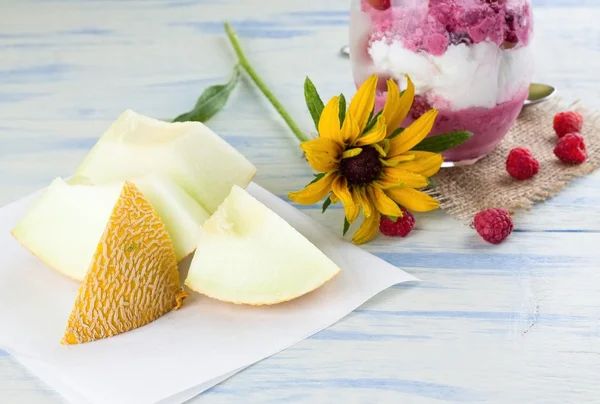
470,59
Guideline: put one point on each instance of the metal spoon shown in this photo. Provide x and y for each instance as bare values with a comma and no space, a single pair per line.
537,92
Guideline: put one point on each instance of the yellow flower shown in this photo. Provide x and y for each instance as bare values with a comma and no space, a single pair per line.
367,164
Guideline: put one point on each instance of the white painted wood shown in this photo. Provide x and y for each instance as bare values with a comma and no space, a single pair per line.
516,323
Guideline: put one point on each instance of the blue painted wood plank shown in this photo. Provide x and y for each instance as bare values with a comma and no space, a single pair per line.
508,324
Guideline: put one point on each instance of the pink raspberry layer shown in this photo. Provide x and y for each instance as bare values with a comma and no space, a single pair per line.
434,25
488,125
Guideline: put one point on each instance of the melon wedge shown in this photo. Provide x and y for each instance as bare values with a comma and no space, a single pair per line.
189,153
181,214
132,278
63,226
247,254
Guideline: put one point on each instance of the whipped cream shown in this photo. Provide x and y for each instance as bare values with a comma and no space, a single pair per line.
479,75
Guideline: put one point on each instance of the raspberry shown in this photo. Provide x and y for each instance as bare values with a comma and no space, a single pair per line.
567,122
509,18
496,5
493,225
521,164
401,227
380,4
571,149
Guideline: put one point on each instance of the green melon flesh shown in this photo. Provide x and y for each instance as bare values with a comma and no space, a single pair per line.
247,254
64,225
189,153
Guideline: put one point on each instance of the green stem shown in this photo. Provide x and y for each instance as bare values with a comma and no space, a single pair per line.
261,85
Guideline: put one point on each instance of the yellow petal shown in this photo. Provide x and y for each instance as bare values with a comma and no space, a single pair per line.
375,135
379,149
425,163
314,192
397,160
367,230
384,204
341,190
412,199
323,154
323,164
334,199
351,153
365,201
363,102
413,135
350,130
322,145
329,123
397,107
385,145
400,176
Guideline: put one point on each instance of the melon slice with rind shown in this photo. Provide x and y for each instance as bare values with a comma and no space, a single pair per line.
62,227
133,278
189,153
247,254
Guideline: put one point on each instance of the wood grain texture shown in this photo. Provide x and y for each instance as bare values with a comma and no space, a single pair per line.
516,323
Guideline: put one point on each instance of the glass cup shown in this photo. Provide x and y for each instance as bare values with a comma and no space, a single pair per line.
470,59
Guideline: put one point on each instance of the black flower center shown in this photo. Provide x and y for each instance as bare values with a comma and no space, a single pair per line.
362,169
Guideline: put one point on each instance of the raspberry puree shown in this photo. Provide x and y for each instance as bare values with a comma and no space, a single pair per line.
489,126
432,25
470,59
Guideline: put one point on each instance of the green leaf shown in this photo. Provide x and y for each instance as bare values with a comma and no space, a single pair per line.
342,109
396,133
313,101
212,100
346,226
441,143
326,204
372,121
317,178
432,183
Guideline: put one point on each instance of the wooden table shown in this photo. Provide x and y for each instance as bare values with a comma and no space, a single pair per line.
516,323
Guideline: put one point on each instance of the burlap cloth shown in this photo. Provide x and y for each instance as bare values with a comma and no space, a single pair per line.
464,191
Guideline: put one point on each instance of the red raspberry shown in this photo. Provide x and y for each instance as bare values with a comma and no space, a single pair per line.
380,4
567,122
521,164
401,227
493,225
571,149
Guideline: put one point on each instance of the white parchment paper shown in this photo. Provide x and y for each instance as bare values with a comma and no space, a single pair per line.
185,352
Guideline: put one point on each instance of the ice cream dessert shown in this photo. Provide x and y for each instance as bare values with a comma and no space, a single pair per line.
470,59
